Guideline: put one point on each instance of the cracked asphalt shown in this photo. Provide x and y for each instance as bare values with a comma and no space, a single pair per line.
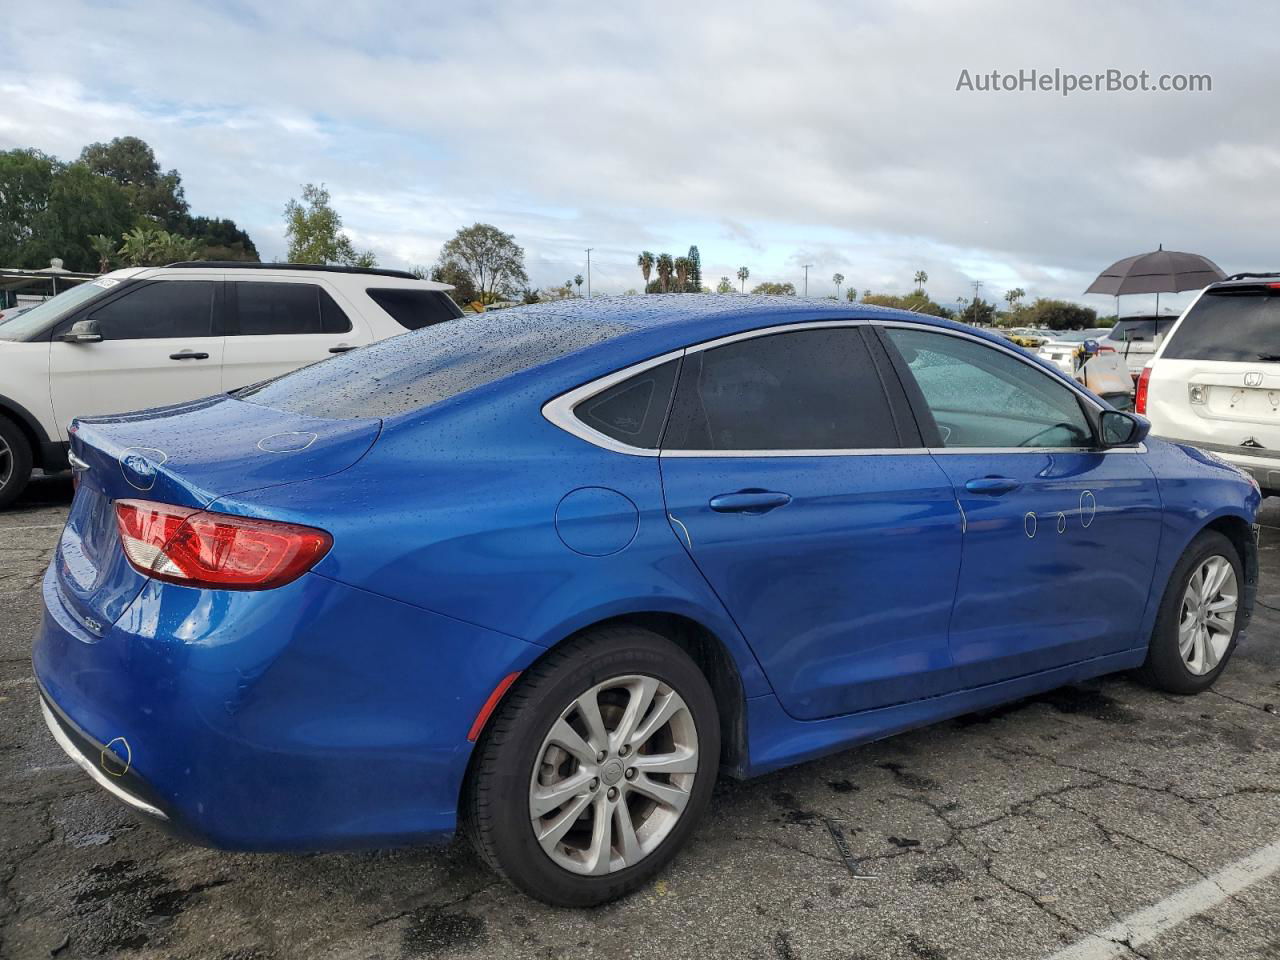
1008,834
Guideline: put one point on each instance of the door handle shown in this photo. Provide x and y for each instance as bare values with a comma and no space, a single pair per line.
341,349
188,355
749,501
992,486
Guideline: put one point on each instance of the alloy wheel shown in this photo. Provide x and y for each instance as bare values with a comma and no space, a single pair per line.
6,462
613,775
1208,616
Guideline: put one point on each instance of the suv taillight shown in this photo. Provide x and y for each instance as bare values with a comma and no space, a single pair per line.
1140,395
199,549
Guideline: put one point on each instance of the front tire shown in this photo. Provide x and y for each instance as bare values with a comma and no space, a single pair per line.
596,768
15,462
1198,624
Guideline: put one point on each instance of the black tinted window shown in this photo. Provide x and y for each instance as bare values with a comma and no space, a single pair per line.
633,411
426,366
414,309
165,309
268,309
980,396
1241,327
1144,329
808,390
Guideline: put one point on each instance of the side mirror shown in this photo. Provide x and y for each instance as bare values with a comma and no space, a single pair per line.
83,331
1121,429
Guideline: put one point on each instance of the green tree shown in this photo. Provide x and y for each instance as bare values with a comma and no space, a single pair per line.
150,246
775,289
463,292
694,284
683,270
921,279
1011,297
491,260
221,238
837,279
665,267
915,302
724,286
1060,315
132,163
851,294
977,313
315,234
578,281
743,274
645,263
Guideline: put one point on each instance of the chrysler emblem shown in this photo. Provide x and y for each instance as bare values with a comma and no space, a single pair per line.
1253,379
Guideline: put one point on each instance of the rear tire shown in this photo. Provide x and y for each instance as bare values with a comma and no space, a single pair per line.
1198,623
15,461
566,806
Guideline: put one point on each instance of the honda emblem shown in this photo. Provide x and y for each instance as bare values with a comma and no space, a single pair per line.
1253,379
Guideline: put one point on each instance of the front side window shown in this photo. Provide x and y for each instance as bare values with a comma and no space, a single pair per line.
980,396
167,309
287,309
805,390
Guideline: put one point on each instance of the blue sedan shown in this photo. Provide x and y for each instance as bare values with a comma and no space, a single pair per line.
547,573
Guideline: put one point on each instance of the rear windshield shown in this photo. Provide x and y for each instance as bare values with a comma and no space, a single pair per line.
426,366
1241,326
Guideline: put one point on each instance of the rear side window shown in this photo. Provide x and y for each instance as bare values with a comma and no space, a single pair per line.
633,411
1243,327
414,309
807,390
417,369
282,309
1142,330
168,309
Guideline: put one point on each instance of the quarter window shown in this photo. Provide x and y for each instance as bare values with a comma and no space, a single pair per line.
169,309
414,309
805,390
633,411
281,309
980,396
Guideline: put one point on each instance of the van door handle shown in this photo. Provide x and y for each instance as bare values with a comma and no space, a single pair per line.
749,501
188,355
992,486
342,348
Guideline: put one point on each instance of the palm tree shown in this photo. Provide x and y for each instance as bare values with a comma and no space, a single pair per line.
645,263
921,279
837,279
683,267
851,294
743,273
105,249
578,281
665,266
1012,297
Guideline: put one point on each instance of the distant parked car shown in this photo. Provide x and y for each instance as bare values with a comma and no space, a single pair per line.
548,572
1137,338
1215,381
1061,346
146,337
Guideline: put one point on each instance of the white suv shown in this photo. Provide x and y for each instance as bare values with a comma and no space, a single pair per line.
151,336
1215,381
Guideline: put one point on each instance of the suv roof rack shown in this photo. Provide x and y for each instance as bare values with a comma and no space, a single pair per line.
1249,276
327,268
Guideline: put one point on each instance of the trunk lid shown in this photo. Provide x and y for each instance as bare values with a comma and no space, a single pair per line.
189,455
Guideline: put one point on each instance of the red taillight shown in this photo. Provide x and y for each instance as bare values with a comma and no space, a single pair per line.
1274,286
199,549
1140,395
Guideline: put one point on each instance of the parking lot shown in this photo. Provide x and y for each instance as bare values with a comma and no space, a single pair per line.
1014,833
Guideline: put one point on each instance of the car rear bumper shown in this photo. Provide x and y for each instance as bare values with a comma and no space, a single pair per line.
1260,463
316,716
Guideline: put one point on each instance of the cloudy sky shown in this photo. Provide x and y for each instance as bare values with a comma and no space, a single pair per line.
769,134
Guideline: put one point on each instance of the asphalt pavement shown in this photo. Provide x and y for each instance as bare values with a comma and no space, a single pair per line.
1103,820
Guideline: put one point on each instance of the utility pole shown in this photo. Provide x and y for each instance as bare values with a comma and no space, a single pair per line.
589,249
806,277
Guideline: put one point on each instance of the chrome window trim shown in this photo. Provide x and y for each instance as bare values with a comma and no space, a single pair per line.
559,410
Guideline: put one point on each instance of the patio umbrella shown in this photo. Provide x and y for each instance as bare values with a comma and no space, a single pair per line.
1161,271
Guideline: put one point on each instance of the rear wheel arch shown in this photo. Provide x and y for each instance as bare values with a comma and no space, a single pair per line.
27,425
